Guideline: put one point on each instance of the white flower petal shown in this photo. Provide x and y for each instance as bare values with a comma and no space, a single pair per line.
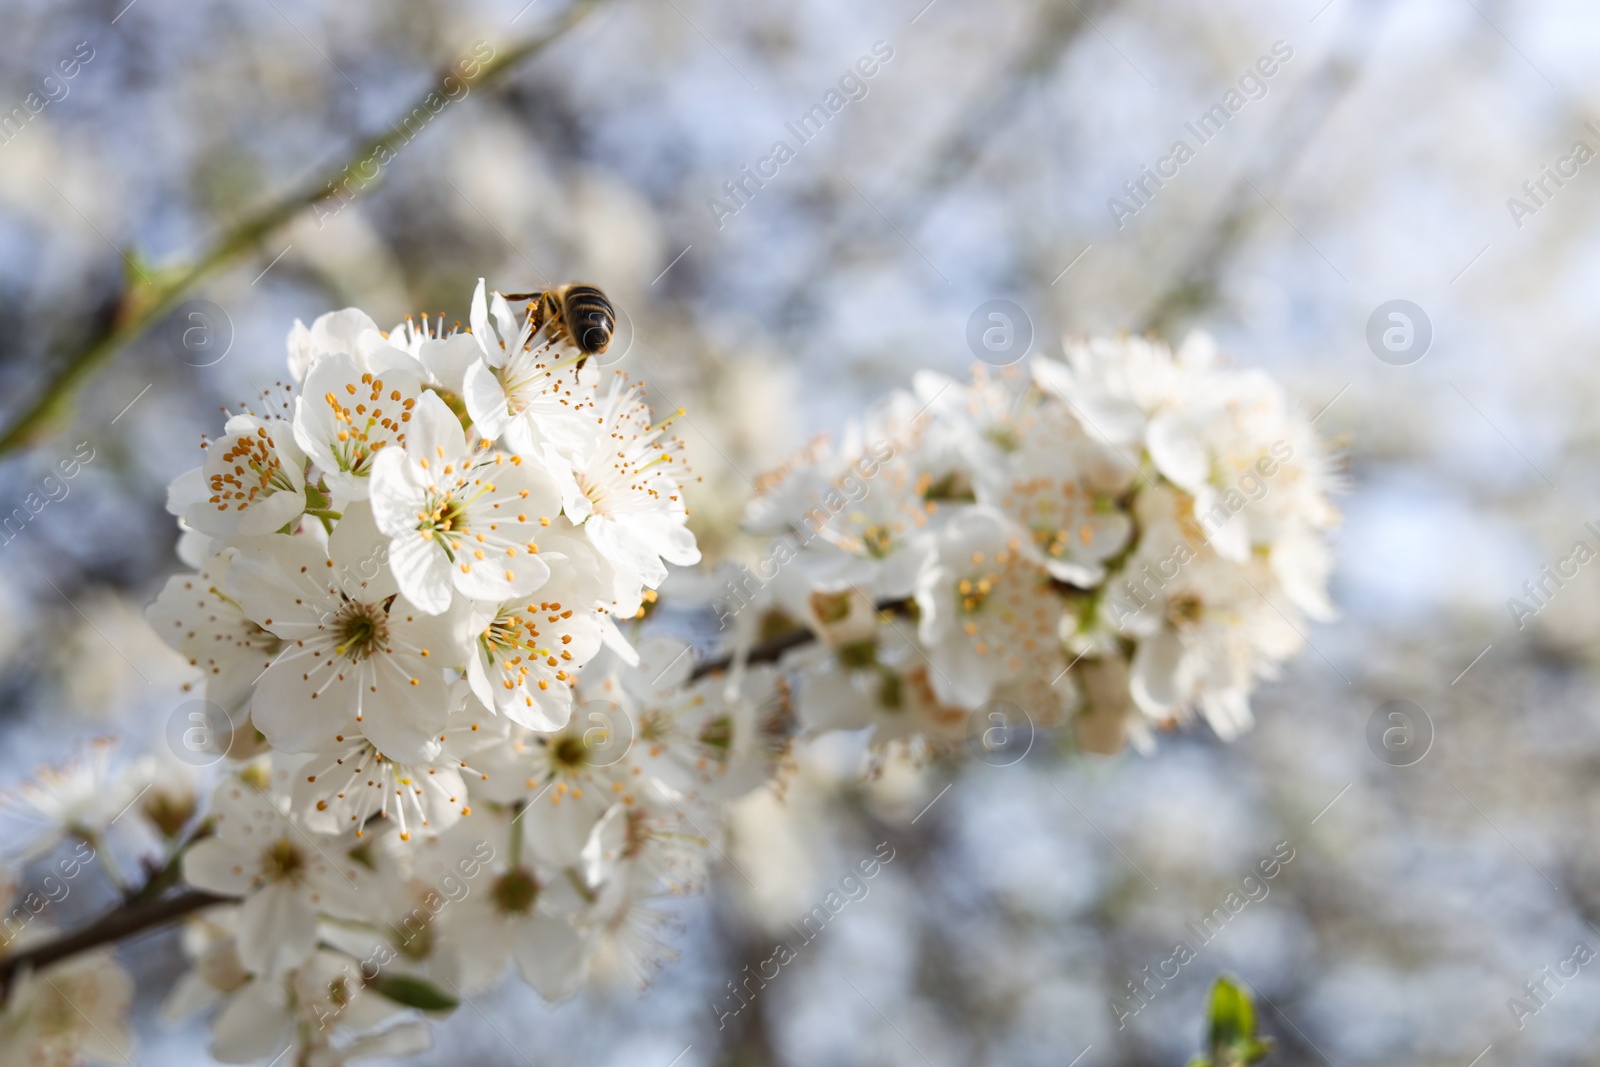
277,929
549,955
447,359
486,400
214,865
1158,682
251,1027
435,435
422,572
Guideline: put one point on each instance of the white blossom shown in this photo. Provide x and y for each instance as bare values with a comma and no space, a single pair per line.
624,485
527,651
286,875
525,390
202,622
76,799
75,1010
460,518
988,611
253,479
523,912
358,659
346,416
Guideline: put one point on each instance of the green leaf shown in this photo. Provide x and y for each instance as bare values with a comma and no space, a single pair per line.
413,992
1233,1039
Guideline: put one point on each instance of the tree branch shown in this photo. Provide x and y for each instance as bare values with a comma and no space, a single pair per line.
765,652
121,922
145,303
958,147
772,650
1195,285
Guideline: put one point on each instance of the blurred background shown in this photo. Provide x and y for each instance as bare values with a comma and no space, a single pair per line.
1415,150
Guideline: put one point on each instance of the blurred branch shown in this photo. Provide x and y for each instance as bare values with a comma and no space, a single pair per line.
765,652
122,922
748,1042
1195,286
772,650
146,301
961,145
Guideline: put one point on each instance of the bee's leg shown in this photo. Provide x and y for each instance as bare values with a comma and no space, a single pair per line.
554,322
535,305
536,310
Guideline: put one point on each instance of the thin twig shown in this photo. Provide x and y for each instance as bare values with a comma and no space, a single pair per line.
115,925
772,650
144,304
1194,287
959,147
765,652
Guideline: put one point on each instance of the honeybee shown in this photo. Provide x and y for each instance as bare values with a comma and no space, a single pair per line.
581,313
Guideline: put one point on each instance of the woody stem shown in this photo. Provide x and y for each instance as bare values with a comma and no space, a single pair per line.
772,650
119,923
146,301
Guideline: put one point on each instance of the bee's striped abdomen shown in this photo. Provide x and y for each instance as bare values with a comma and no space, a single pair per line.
590,318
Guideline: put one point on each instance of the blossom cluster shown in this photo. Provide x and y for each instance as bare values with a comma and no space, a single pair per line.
1118,541
416,595
410,581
